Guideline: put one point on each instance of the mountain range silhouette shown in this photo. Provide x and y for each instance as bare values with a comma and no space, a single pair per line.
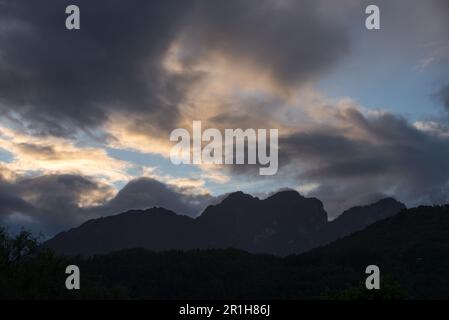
282,224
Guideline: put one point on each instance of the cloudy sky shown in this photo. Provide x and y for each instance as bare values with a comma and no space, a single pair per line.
86,115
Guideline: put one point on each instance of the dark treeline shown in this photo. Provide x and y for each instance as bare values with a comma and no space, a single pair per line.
410,248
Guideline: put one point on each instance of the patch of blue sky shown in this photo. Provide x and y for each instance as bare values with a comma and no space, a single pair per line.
6,156
381,73
162,164
408,92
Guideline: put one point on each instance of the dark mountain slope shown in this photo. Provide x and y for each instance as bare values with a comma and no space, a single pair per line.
154,229
358,218
282,224
411,249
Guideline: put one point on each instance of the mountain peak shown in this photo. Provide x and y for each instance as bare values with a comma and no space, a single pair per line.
358,218
384,205
239,195
288,194
388,201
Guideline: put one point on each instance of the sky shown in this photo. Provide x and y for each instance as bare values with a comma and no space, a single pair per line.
86,115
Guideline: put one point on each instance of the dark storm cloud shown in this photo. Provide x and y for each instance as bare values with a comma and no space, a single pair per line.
56,192
294,40
52,202
10,203
59,80
145,193
55,80
384,155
